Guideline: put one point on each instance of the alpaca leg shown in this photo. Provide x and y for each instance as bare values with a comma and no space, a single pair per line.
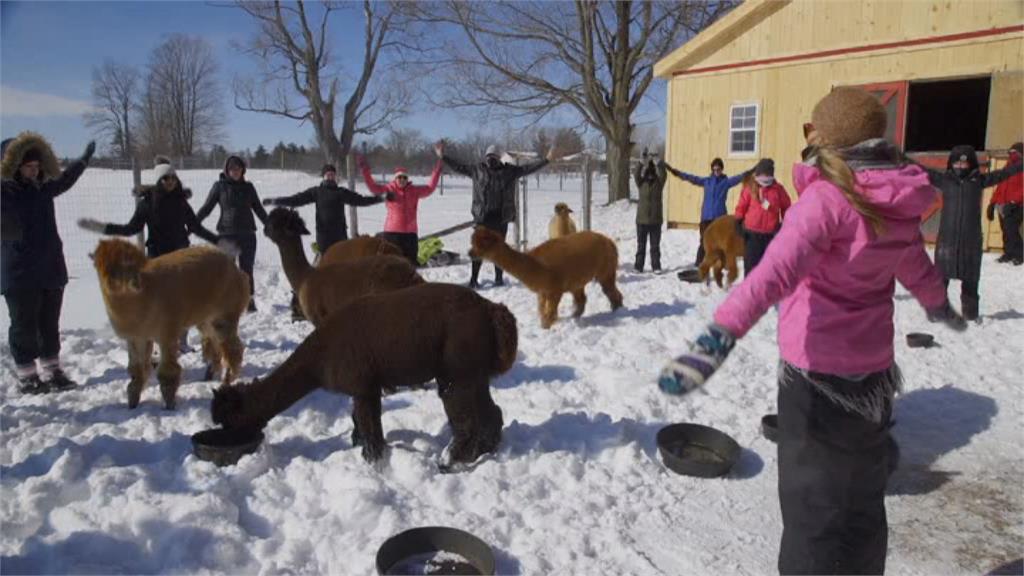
231,348
366,411
734,272
461,405
211,353
490,421
139,354
611,291
169,371
549,310
718,274
579,300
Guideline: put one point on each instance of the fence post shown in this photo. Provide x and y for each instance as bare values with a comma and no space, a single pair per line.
587,191
352,214
526,222
136,182
516,222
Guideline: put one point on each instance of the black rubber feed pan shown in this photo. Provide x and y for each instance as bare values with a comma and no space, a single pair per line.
691,275
435,550
770,427
920,340
225,447
695,450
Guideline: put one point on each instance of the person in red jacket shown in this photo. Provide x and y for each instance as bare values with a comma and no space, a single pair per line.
400,227
759,212
1007,201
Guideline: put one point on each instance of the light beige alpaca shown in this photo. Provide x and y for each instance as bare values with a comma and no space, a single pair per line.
356,248
722,246
158,299
555,267
327,287
561,223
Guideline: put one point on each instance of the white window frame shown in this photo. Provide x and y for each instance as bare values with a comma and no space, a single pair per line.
757,129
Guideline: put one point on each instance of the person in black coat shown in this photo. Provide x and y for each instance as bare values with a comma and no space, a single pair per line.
33,272
164,211
238,201
330,200
494,195
959,245
331,226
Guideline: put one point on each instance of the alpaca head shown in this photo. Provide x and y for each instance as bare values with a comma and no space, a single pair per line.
484,242
284,223
228,407
562,209
119,266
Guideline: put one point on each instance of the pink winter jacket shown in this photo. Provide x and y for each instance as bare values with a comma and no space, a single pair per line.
835,278
402,211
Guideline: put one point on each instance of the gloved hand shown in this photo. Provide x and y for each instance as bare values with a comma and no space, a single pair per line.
990,212
390,196
91,225
947,315
688,372
269,201
90,148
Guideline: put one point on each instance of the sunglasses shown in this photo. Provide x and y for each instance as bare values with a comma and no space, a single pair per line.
401,177
168,178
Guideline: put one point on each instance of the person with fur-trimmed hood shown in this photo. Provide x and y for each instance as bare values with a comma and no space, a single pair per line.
494,194
959,245
33,272
238,201
164,211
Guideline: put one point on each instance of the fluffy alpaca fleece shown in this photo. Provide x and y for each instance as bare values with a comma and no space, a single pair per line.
388,341
359,247
561,223
325,288
555,267
158,299
722,246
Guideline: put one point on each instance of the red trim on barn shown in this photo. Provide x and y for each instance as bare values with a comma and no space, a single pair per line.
857,49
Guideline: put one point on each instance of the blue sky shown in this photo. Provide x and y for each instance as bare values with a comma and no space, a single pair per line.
48,51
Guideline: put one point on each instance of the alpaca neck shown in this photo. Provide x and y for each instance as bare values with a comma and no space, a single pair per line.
290,382
293,260
523,266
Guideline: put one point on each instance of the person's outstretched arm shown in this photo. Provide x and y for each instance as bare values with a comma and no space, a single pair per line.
691,178
307,196
133,227
212,199
734,180
257,207
353,199
993,178
195,227
371,184
71,174
427,189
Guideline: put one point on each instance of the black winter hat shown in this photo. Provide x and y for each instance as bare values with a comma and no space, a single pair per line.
31,155
328,168
1019,147
965,153
766,167
717,162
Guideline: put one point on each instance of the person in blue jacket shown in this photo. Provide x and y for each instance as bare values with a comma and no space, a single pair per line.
716,190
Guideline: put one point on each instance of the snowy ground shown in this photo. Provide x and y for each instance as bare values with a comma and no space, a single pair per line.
577,487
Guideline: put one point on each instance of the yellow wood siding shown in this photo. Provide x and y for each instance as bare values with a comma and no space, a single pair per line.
698,129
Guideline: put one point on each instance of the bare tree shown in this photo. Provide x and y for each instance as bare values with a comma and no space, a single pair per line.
182,106
115,98
299,79
532,59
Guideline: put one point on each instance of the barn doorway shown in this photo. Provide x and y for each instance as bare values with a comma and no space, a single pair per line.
946,113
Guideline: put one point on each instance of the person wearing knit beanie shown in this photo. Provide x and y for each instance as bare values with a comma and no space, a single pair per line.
162,168
328,168
848,116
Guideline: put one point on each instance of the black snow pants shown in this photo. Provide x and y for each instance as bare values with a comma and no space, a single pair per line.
643,232
247,257
754,246
35,319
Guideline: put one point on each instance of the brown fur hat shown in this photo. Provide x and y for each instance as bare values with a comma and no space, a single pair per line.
29,143
847,116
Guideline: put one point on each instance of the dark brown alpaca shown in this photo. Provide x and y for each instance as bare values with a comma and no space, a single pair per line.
387,341
560,265
323,289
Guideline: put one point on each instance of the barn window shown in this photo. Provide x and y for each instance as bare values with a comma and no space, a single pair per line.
743,120
946,113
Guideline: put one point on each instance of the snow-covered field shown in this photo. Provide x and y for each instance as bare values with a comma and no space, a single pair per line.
577,486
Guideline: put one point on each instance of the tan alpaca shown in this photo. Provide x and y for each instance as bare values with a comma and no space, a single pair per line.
157,300
722,246
555,267
561,223
327,287
359,247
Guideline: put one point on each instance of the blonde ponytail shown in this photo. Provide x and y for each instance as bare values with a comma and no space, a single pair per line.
834,169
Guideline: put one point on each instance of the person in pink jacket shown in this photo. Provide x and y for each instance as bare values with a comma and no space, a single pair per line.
854,233
400,227
759,212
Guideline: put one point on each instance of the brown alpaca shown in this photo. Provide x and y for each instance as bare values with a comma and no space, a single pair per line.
561,223
359,247
387,341
555,267
159,299
722,246
325,288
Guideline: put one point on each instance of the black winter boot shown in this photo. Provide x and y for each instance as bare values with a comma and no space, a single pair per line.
474,273
32,385
60,382
499,276
638,264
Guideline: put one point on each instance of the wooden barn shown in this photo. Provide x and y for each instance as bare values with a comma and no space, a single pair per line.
948,71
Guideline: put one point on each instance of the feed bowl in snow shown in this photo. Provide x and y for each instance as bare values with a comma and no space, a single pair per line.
225,447
691,275
770,427
435,550
920,340
695,450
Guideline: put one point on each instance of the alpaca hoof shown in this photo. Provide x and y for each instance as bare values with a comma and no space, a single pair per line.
134,395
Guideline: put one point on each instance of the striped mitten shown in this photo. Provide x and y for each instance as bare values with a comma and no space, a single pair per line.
688,372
